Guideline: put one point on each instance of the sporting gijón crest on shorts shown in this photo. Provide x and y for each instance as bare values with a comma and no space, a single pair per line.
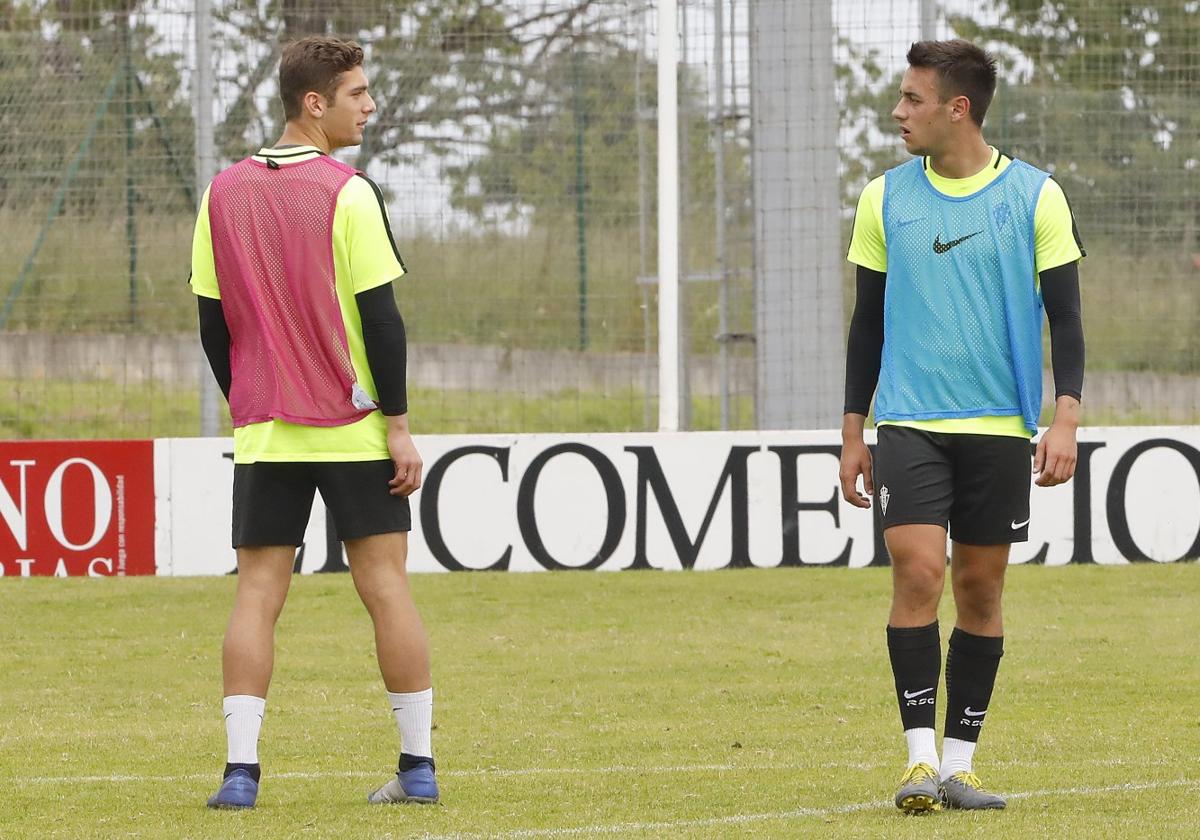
272,233
962,308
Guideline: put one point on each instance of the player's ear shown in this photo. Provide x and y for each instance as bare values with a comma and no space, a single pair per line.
314,104
960,108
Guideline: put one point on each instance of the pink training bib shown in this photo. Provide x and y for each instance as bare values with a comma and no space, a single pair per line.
272,234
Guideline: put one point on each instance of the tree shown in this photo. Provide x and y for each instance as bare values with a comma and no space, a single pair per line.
1108,96
441,70
67,72
530,164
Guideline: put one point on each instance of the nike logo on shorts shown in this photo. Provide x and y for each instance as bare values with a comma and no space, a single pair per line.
1016,526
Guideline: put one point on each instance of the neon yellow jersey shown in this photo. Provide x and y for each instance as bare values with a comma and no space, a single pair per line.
1055,243
364,257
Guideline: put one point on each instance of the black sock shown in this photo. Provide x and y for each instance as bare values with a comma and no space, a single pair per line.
408,762
971,667
916,654
253,769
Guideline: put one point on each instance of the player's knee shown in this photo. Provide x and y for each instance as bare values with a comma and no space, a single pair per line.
920,580
383,596
267,608
978,594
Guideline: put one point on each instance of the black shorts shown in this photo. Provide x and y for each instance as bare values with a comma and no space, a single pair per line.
976,485
272,501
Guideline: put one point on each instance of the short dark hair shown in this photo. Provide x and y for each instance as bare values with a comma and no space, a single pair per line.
315,63
963,69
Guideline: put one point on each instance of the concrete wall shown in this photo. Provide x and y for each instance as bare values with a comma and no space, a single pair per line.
177,359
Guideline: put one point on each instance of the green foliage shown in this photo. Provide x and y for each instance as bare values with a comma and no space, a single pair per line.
589,101
494,93
77,80
533,161
1107,96
18,16
104,409
866,92
440,72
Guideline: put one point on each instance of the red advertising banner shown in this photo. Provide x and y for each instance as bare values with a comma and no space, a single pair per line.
77,508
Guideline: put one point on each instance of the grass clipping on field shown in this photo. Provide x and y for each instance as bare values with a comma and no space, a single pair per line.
750,703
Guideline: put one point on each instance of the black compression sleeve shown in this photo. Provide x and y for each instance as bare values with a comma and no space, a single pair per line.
864,345
214,338
1060,296
386,345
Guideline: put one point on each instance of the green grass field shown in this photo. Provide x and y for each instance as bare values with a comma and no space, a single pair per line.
57,409
95,410
754,703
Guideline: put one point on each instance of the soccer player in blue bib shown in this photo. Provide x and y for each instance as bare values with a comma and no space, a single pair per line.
958,252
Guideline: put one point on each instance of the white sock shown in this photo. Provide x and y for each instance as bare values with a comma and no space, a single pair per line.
956,756
243,719
414,716
922,746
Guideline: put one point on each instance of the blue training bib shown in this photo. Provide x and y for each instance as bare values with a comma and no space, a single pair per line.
962,331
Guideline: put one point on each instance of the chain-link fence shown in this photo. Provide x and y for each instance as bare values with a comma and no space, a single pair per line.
516,144
1106,96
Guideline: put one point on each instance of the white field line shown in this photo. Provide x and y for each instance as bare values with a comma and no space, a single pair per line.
502,773
793,814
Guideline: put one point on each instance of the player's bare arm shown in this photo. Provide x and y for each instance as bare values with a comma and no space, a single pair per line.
1057,451
404,456
855,461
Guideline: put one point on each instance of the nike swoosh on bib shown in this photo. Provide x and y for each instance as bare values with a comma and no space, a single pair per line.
940,247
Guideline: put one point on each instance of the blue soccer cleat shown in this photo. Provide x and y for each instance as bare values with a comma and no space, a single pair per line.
238,790
417,784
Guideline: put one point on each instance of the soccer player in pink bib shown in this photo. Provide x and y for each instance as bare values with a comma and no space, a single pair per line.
293,264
